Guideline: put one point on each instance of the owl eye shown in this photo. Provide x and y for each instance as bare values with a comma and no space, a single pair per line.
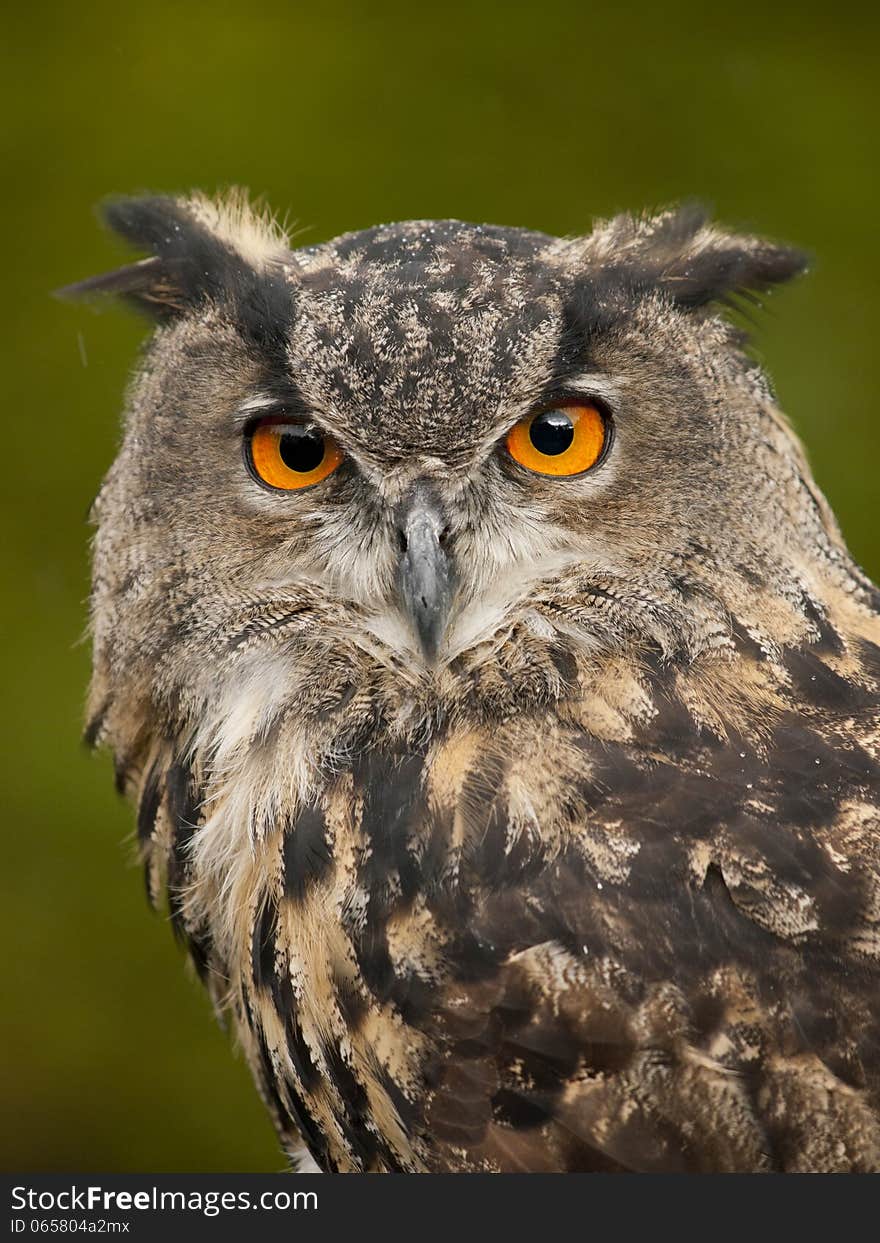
565,441
288,455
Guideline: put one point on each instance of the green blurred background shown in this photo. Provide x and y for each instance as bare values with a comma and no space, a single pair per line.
344,115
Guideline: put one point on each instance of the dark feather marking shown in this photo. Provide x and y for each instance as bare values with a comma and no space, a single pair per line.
199,947
374,959
120,774
183,801
474,956
566,665
286,1008
816,683
518,1110
407,1111
95,725
309,1131
809,776
494,860
307,854
392,798
365,1144
263,945
413,996
353,1006
300,1054
672,723
547,1050
393,801
151,796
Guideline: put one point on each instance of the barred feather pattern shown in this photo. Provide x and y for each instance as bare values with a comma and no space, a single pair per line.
656,950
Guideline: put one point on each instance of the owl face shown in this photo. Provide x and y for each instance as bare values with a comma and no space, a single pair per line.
430,449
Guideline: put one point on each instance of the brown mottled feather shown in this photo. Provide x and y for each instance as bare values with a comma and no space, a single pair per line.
673,967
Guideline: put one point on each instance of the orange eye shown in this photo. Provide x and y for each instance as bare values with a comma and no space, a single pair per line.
564,441
289,455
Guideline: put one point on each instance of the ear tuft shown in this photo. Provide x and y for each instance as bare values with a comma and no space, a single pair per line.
679,254
201,250
145,284
156,223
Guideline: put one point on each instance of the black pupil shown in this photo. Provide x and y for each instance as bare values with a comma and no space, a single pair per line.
301,448
552,432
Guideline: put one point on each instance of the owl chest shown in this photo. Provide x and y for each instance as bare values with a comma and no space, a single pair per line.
334,954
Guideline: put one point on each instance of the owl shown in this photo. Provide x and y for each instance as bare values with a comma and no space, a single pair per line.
499,699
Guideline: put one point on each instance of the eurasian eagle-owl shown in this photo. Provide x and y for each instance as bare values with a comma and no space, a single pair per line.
499,697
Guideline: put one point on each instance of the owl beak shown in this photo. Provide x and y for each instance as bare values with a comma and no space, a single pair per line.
425,572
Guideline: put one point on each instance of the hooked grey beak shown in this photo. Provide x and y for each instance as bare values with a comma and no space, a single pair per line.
425,572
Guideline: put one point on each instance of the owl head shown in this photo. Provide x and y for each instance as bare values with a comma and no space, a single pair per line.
437,467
